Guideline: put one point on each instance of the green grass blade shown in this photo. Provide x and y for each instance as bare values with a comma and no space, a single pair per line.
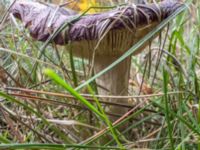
4,140
50,146
138,112
62,83
180,118
113,130
165,90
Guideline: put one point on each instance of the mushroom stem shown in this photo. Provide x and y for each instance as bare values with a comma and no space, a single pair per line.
114,82
109,33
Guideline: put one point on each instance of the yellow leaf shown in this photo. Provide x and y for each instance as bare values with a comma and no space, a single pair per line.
79,5
85,4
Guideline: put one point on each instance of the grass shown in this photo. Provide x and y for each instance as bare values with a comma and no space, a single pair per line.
165,115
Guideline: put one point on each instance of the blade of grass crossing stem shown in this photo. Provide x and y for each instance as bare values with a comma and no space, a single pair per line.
98,135
56,130
165,89
113,130
135,46
140,122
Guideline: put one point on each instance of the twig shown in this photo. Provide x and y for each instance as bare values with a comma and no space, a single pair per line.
97,96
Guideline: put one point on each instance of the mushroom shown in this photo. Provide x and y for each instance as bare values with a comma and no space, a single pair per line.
101,37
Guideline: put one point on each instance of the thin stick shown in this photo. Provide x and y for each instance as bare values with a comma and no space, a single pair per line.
97,96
